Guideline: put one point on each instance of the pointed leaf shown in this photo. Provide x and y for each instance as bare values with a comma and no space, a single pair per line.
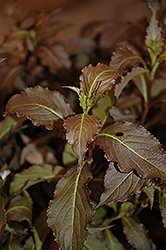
95,81
153,39
40,105
81,130
136,234
125,56
94,242
119,186
149,191
33,175
162,203
133,147
138,71
70,210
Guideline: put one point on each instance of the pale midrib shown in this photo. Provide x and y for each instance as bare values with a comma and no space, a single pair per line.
80,133
74,200
113,191
42,106
132,150
18,207
105,71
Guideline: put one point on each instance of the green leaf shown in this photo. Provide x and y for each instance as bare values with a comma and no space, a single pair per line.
13,245
70,209
33,175
112,241
138,71
8,124
133,147
162,204
68,156
40,105
153,39
94,242
136,234
119,186
2,218
125,56
103,106
38,242
149,191
94,82
20,208
80,130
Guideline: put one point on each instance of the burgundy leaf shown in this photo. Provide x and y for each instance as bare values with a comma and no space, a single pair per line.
81,130
70,210
95,81
119,186
2,218
40,105
125,56
162,203
133,147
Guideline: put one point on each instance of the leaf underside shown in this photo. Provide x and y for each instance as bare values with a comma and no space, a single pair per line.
40,105
70,210
80,130
119,186
133,148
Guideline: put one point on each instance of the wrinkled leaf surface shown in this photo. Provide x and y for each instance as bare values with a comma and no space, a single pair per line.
133,147
70,210
40,105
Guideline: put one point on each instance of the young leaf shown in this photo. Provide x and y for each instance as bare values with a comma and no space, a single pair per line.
153,39
33,175
136,234
94,82
133,147
119,186
125,56
81,130
70,210
149,191
40,105
138,71
162,203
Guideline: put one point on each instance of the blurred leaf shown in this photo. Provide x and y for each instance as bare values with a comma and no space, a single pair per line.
79,45
29,244
162,204
70,210
112,241
92,229
149,191
40,105
68,154
2,218
8,123
94,82
125,56
54,57
138,71
80,130
20,209
94,242
14,245
33,175
31,154
38,242
153,39
133,147
136,234
103,106
119,186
